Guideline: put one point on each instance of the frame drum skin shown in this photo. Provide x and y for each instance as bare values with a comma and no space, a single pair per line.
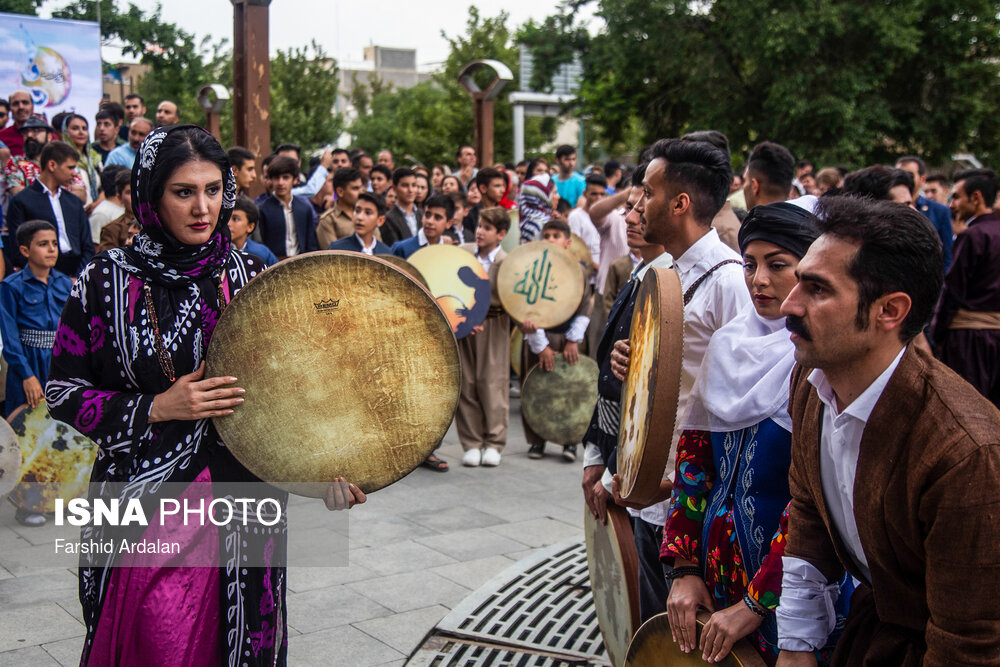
614,579
541,282
10,459
652,385
558,404
578,248
56,459
654,647
407,268
459,283
350,369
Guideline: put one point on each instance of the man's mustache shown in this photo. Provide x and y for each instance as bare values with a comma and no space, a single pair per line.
795,324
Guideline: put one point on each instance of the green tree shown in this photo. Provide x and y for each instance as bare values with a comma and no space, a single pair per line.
835,80
303,94
29,7
448,123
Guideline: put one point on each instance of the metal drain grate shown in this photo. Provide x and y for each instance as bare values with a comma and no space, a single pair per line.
442,651
540,610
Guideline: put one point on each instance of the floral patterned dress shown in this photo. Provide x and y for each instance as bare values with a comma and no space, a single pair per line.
103,378
729,516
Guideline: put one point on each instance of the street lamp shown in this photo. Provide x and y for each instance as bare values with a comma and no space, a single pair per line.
212,98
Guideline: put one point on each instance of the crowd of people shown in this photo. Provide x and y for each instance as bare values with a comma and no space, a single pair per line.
834,467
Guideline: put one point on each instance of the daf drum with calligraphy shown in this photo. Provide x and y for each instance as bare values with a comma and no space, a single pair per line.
459,283
350,370
541,283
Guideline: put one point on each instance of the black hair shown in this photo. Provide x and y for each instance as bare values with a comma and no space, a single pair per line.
596,179
73,116
774,166
983,181
534,163
400,174
117,110
136,96
938,177
382,169
267,161
801,164
289,147
639,175
377,200
5,104
699,169
337,151
921,165
239,156
559,226
441,201
346,175
497,217
109,179
106,114
876,182
178,148
898,251
356,160
461,148
714,137
461,187
283,164
487,174
59,151
26,231
245,204
611,166
123,179
564,151
58,120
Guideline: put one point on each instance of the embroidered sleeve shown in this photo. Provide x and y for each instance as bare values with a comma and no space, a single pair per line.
76,393
695,472
15,177
765,587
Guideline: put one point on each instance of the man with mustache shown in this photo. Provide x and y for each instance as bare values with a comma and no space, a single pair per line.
21,109
895,471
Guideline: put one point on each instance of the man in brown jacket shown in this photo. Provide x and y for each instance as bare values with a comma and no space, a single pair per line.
895,459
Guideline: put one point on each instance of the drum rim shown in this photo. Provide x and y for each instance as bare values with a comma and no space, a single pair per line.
536,369
507,266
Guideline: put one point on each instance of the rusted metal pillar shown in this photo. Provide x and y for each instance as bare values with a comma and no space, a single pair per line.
252,81
483,100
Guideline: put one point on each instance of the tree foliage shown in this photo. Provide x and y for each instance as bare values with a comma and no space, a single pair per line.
431,120
21,6
303,94
835,80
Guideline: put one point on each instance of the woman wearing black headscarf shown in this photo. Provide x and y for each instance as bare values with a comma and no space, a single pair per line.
731,485
127,371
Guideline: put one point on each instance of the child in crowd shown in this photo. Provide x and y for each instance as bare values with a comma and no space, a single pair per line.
542,345
483,405
369,215
31,301
438,212
241,225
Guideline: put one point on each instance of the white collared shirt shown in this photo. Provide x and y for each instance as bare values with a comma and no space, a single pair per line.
411,220
369,250
65,246
422,238
488,260
291,238
718,299
807,618
581,225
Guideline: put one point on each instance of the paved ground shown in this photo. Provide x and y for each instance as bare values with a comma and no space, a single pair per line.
417,548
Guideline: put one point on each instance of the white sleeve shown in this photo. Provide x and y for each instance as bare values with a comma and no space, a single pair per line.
313,185
606,479
578,328
592,455
537,341
805,612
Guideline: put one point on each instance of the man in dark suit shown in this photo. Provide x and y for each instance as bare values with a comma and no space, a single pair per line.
287,222
49,199
369,215
403,221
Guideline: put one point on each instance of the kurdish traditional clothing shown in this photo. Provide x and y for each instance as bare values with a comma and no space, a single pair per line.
136,316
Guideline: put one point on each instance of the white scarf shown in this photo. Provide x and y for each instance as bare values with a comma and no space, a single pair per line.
744,376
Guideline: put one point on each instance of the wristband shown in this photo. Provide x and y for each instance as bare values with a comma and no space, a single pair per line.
748,601
679,572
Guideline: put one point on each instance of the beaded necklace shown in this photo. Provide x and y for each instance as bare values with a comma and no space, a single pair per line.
166,363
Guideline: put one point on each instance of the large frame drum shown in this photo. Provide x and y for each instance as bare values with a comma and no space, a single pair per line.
614,579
